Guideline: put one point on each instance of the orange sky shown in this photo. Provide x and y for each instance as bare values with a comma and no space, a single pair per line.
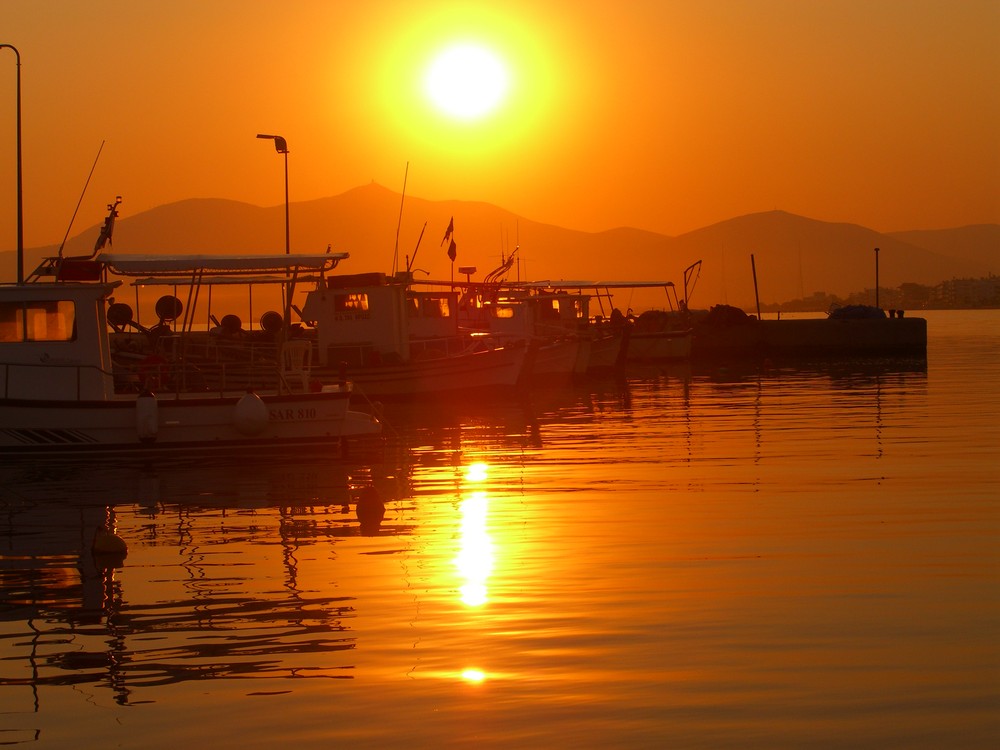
659,114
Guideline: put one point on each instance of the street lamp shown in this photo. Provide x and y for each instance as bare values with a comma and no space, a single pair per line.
281,146
20,203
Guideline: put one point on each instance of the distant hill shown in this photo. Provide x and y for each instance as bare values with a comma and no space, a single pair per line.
795,256
979,243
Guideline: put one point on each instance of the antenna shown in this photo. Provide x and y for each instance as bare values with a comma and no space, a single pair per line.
409,262
85,185
395,252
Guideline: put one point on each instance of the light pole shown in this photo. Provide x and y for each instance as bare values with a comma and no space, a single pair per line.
281,146
20,202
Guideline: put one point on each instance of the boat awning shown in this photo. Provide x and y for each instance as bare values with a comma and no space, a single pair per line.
231,265
560,284
242,280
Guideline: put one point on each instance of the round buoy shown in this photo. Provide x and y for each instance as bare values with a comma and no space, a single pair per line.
250,416
119,314
231,324
168,308
370,510
271,321
106,542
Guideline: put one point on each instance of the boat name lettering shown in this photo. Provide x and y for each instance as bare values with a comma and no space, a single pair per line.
351,316
291,415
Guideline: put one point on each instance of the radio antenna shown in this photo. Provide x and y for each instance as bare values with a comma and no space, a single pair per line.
85,185
402,197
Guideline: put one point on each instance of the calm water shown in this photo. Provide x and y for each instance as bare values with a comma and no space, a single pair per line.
803,557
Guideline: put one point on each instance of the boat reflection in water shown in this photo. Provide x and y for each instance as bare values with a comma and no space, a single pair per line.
213,584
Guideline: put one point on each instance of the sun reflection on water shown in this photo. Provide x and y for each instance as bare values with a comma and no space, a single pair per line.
474,676
476,472
475,556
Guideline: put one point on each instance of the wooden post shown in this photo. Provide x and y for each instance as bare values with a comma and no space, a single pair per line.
756,296
876,277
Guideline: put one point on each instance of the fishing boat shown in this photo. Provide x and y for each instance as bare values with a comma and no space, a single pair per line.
396,342
607,337
659,335
74,381
553,321
616,337
556,317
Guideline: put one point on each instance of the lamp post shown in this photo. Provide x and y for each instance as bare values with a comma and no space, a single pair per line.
281,146
20,202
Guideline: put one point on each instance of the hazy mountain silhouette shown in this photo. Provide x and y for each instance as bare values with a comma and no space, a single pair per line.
795,256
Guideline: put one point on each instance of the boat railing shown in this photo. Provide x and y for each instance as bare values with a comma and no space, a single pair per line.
186,376
208,364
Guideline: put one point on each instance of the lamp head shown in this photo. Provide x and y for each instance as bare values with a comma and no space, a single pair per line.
280,144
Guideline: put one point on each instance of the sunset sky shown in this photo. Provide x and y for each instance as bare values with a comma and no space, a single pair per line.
666,115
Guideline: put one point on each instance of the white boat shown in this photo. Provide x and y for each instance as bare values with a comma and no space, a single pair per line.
560,312
62,392
557,317
661,334
552,324
393,342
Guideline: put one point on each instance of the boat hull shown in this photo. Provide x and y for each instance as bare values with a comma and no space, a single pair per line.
645,346
606,350
560,358
186,422
494,371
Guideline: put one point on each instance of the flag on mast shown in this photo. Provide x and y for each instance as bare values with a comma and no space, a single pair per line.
109,225
449,231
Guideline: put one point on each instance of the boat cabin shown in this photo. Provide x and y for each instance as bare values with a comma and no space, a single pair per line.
360,319
54,343
371,319
524,313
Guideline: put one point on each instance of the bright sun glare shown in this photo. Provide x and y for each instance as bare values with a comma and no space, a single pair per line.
466,81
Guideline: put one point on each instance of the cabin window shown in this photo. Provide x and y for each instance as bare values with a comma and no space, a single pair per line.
50,320
504,312
11,321
354,302
436,307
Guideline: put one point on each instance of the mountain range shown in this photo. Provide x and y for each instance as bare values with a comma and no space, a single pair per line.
793,256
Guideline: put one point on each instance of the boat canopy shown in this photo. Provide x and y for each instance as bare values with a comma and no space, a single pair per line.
162,265
560,284
548,284
141,281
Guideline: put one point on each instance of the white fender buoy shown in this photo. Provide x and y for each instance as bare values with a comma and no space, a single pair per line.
250,415
147,417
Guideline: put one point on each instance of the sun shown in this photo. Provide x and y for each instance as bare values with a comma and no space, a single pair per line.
466,81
